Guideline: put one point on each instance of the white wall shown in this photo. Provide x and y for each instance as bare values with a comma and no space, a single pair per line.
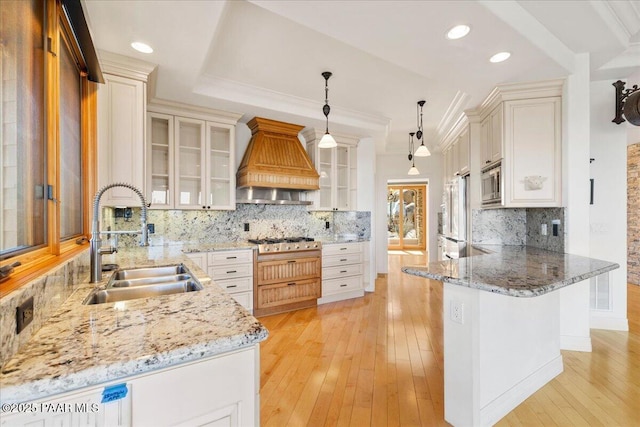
574,300
608,214
367,196
395,167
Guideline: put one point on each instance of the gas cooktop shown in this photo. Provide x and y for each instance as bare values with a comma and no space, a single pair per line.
286,244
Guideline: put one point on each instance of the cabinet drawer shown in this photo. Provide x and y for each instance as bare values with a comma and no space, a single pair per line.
334,286
229,257
230,271
344,248
245,299
283,293
288,270
341,271
236,285
346,258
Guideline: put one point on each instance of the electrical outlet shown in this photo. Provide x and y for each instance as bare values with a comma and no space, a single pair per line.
543,229
555,224
246,226
24,315
327,225
151,228
457,312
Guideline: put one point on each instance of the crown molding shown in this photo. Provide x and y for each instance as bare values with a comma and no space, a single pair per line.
234,91
165,106
525,90
621,17
452,116
455,131
125,66
314,134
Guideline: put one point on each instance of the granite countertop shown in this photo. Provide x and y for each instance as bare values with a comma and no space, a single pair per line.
517,271
85,345
210,247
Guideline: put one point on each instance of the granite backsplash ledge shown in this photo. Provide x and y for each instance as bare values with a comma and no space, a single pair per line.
210,227
49,291
519,226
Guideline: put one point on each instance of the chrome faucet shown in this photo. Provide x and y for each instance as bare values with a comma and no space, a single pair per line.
96,249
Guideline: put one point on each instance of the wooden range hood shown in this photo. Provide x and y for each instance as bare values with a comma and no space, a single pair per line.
275,158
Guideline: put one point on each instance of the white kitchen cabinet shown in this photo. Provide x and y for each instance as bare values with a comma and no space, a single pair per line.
464,149
338,172
456,157
231,270
491,134
533,153
121,117
219,390
191,156
81,408
343,269
521,125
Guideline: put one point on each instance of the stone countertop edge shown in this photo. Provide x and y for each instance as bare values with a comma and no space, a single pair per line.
338,241
87,345
502,270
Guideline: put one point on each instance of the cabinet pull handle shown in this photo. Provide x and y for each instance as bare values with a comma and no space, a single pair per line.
343,271
343,249
232,257
488,161
291,261
232,271
232,286
343,285
343,259
291,284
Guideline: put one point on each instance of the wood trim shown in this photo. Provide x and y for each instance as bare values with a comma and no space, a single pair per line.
41,260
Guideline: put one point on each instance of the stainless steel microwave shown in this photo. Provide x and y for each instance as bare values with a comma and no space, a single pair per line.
492,185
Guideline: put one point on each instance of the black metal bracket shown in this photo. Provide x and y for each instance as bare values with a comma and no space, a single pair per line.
621,95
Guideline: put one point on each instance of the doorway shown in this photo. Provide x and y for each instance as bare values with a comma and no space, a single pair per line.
406,217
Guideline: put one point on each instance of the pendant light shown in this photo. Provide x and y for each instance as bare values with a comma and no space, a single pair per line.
413,170
327,140
422,150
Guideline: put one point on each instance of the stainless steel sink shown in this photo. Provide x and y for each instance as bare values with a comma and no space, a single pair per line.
145,291
147,272
134,283
141,281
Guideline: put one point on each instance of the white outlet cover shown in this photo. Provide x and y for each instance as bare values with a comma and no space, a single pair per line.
457,312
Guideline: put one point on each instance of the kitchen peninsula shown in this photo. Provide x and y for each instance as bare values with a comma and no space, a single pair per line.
502,325
190,357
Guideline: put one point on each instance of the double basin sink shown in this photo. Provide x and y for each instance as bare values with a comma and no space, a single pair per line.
134,283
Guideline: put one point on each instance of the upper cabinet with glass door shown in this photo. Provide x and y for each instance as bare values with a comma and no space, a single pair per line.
338,172
191,155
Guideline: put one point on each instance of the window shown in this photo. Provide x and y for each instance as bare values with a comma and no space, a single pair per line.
22,180
47,120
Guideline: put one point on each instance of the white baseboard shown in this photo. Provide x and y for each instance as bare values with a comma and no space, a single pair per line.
609,323
507,401
341,296
573,343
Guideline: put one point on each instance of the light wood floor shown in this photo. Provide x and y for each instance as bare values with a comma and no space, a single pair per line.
378,361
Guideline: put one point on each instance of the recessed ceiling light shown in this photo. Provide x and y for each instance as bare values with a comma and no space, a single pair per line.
142,47
499,57
458,32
